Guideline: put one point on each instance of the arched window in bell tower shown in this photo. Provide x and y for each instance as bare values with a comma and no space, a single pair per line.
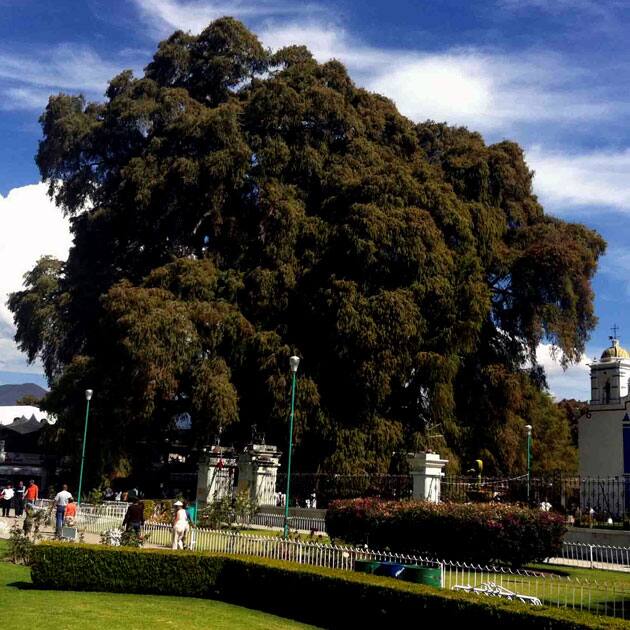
607,392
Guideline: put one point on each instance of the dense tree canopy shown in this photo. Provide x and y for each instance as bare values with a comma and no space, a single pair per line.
234,206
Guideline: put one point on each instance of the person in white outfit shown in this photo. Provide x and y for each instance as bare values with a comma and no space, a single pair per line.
180,525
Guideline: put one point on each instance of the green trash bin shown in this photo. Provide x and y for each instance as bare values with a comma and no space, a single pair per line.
366,566
431,576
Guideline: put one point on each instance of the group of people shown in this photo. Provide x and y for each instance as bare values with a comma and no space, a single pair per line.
134,520
21,497
280,500
17,497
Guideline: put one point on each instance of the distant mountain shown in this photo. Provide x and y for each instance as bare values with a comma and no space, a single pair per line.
10,394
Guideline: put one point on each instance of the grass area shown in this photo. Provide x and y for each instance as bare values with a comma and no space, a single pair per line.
599,575
25,607
609,596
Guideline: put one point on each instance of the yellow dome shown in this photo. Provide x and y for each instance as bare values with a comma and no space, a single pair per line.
615,352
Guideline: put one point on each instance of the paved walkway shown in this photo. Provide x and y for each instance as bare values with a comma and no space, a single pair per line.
47,531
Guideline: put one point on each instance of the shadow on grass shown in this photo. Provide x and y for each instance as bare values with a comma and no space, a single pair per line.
23,586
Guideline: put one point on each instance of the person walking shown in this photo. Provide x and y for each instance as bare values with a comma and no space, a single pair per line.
134,518
180,525
7,498
61,501
20,491
32,492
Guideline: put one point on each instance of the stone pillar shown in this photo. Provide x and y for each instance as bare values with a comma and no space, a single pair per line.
215,475
426,472
257,472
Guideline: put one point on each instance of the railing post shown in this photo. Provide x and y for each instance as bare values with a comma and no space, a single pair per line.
590,551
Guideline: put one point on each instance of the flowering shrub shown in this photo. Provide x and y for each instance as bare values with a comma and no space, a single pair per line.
111,537
117,537
479,532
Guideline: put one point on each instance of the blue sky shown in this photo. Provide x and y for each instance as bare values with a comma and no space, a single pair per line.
550,74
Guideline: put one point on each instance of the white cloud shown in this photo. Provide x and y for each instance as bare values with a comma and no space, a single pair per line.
30,227
483,89
28,79
568,180
66,66
486,90
24,98
574,382
194,15
557,6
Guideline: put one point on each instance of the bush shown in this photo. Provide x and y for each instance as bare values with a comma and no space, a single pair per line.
352,599
228,512
19,546
480,532
160,511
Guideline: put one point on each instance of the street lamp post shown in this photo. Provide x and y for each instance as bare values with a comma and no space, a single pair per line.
88,397
528,428
294,362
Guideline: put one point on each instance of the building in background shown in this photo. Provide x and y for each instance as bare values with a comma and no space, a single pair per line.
21,456
604,435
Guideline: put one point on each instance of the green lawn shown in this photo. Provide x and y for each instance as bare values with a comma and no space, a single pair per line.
601,575
607,592
25,607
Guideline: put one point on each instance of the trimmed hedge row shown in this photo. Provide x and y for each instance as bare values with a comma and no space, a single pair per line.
478,532
323,597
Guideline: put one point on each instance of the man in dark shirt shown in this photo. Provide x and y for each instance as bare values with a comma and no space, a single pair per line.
134,518
20,491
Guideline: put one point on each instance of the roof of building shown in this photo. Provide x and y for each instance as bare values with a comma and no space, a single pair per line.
24,418
615,352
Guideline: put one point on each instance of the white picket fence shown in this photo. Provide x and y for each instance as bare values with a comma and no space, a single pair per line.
603,598
275,547
594,556
92,519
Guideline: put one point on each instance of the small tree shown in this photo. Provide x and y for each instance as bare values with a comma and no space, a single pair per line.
228,512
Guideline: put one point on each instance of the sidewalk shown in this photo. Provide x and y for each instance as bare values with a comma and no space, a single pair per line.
47,532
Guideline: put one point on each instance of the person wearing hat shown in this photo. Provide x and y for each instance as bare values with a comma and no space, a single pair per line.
180,525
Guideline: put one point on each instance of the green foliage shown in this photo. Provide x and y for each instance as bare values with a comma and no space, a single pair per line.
28,607
480,532
95,496
35,519
129,538
573,410
294,591
228,512
158,510
231,207
20,545
28,400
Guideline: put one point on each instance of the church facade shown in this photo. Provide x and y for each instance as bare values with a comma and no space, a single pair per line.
604,434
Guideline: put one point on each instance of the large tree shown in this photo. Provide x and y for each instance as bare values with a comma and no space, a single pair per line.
233,206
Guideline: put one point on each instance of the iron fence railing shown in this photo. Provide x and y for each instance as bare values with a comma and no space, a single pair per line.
329,487
276,521
593,556
588,501
594,500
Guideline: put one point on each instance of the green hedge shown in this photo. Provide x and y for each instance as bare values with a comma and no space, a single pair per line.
477,532
323,597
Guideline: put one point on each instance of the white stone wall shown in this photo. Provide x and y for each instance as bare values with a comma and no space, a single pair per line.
601,443
617,373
